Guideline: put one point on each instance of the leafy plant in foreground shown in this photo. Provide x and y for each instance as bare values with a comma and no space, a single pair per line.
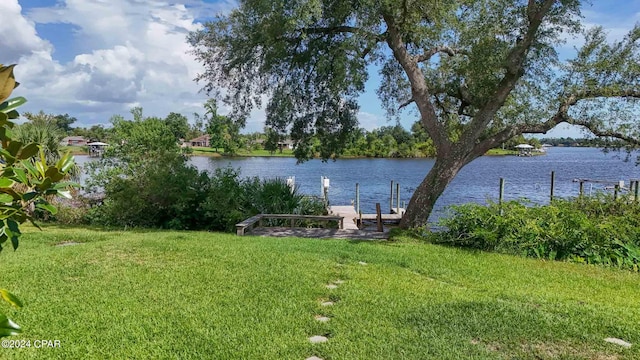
25,181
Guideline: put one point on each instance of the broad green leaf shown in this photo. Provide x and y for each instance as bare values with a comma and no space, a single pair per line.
65,163
28,151
10,298
10,160
5,198
12,104
30,168
7,82
13,226
41,167
8,327
48,207
53,174
29,196
20,175
66,185
14,147
6,182
14,241
45,185
13,114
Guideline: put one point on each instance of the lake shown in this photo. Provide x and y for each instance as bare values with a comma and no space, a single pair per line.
525,177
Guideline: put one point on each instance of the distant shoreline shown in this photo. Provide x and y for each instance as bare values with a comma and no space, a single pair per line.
209,152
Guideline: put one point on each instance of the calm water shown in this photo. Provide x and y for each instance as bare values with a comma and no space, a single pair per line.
525,177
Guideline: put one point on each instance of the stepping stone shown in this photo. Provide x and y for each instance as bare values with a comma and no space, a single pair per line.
327,303
313,358
339,282
322,318
618,342
332,286
362,263
318,339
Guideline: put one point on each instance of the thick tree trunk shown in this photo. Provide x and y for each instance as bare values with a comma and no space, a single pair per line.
428,192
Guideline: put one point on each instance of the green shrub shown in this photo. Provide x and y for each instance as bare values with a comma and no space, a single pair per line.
594,230
163,192
225,204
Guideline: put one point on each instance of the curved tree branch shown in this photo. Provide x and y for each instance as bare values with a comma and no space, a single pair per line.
562,116
436,50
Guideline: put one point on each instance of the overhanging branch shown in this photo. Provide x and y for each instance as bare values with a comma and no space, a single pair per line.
562,116
406,103
438,49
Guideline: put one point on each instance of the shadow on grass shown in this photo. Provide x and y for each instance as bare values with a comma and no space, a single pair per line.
514,329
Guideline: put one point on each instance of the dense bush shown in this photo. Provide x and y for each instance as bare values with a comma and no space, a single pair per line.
595,230
147,182
175,195
162,193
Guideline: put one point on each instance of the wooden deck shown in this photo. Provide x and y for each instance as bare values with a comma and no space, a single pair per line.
345,215
349,214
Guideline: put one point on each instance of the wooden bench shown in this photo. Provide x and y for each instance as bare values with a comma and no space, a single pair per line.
248,224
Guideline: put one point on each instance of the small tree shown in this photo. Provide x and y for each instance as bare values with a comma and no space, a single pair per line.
26,179
224,132
179,125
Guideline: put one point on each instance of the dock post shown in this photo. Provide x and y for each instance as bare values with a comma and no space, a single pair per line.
581,188
379,217
636,191
397,198
391,198
553,183
357,198
501,196
616,188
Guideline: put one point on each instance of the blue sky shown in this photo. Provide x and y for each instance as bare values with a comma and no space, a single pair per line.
95,58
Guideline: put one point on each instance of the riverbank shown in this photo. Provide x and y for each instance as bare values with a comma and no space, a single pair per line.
203,151
420,298
75,150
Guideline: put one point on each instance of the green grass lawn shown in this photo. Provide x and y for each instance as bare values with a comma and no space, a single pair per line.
75,150
494,152
153,295
277,153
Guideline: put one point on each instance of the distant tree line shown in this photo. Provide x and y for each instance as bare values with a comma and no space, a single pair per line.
383,142
580,142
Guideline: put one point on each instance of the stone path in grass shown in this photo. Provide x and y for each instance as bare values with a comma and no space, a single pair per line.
319,339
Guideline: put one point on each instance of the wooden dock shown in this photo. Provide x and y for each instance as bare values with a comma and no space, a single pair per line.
349,214
351,217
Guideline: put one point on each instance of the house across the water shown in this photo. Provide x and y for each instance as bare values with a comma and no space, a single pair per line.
74,141
201,141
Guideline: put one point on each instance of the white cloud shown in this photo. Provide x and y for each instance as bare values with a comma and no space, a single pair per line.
136,55
134,52
370,121
22,39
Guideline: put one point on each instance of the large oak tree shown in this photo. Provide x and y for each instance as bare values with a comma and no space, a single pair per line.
478,72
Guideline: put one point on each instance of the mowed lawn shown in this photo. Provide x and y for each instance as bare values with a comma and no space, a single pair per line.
154,295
